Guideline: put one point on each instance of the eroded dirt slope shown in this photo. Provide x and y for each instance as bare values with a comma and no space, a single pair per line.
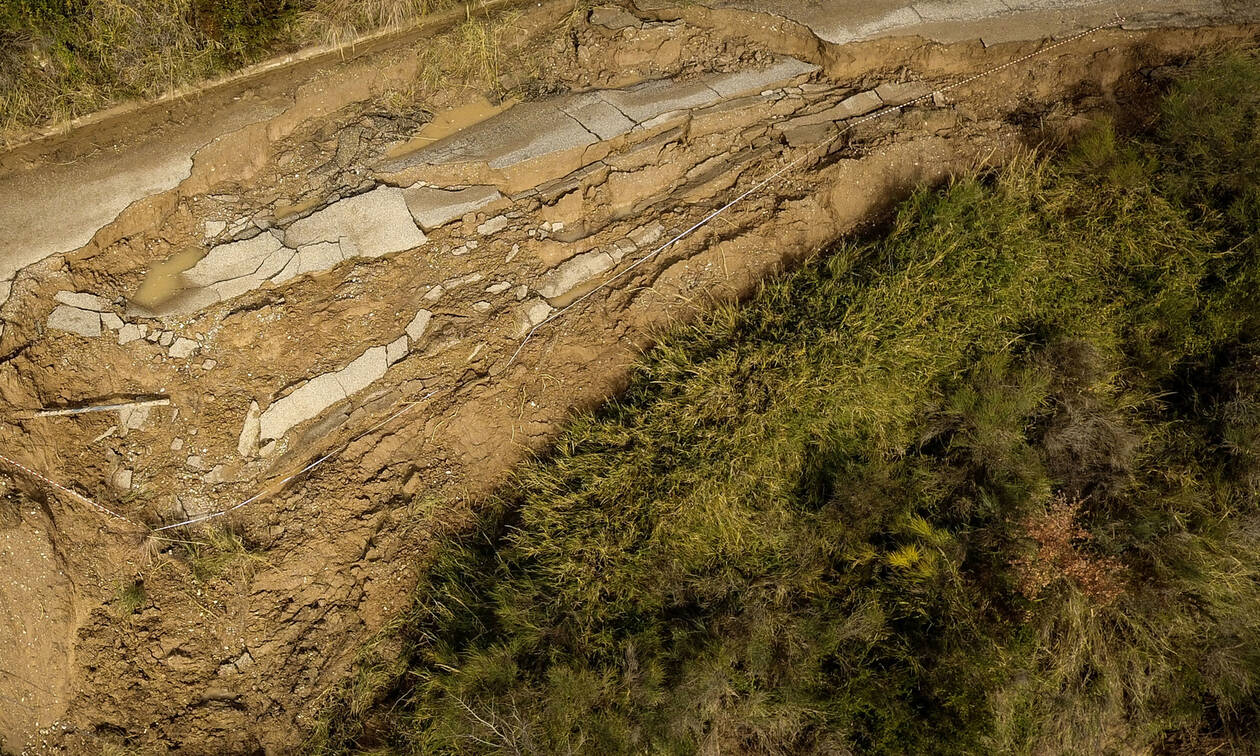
313,277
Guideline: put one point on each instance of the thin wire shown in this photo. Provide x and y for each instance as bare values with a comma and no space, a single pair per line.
69,492
849,126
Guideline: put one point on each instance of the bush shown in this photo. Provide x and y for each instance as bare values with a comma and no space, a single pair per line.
986,484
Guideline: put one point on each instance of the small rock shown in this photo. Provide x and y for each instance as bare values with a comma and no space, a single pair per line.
522,291
82,301
460,250
473,243
647,234
134,418
152,336
247,444
498,288
122,480
111,321
621,248
494,225
167,338
573,272
938,99
216,475
177,444
209,365
75,320
213,228
516,248
482,306
530,314
416,328
183,348
195,462
434,293
132,332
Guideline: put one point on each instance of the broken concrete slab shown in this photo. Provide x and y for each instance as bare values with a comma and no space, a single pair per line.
573,272
75,320
597,115
82,300
132,332
111,321
783,73
651,99
396,350
321,392
415,329
432,208
850,107
376,223
233,260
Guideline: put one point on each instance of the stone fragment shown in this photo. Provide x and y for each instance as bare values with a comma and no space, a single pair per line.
152,336
521,292
573,272
111,321
754,81
376,223
434,293
498,288
612,17
132,332
75,320
233,260
621,248
493,226
648,233
209,364
902,92
195,462
183,348
482,306
166,338
511,255
457,281
851,107
82,301
321,392
134,418
215,476
122,479
432,208
247,443
212,228
396,350
530,314
177,444
416,328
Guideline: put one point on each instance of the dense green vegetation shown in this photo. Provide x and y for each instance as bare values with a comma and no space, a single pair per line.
64,58
988,484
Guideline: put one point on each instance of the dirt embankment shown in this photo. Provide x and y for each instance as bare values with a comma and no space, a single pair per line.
325,287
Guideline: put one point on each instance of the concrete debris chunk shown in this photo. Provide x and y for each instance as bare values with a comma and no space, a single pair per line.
574,271
851,107
166,338
596,115
321,392
134,418
493,226
482,306
233,260
648,233
742,83
530,314
75,320
498,288
122,479
434,293
82,301
183,348
432,208
111,321
416,328
376,223
132,332
396,350
247,443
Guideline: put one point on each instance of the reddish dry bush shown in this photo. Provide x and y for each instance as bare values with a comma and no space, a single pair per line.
1062,553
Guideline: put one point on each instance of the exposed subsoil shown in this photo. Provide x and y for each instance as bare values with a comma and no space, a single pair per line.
229,649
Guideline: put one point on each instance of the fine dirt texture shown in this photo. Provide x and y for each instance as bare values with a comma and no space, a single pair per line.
322,286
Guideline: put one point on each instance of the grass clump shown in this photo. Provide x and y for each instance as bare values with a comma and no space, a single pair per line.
988,484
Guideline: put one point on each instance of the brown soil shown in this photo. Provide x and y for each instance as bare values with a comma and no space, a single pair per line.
234,640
